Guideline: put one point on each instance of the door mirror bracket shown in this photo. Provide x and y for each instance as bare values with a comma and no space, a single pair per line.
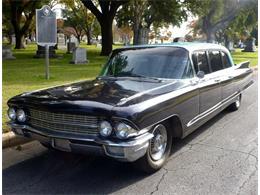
200,74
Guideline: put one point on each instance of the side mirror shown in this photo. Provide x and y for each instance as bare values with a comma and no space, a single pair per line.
200,74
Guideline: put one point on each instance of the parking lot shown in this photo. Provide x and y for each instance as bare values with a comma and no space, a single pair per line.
218,158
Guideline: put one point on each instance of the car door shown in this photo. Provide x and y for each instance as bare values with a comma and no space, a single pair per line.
227,84
209,85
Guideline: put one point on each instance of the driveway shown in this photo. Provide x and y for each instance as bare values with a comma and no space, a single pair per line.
218,158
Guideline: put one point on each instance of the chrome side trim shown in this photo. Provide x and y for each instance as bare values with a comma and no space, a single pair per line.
212,109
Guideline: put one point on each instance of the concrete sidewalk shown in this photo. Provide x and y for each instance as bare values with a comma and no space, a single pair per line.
10,139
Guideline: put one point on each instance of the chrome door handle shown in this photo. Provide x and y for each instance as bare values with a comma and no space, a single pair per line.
230,77
217,80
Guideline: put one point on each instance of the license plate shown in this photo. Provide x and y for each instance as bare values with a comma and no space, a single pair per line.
62,144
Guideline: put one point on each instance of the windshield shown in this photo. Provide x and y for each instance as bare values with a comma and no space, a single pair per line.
157,62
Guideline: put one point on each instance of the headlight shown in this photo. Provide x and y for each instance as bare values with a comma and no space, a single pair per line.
11,113
105,129
21,116
124,131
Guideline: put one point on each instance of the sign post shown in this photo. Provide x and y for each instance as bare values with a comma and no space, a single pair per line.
47,63
46,32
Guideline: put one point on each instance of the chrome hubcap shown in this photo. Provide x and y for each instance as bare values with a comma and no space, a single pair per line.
158,142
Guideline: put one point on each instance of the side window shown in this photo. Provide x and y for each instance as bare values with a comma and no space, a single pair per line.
215,61
188,72
225,60
200,62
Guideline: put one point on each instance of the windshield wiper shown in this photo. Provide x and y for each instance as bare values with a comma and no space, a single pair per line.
122,75
137,76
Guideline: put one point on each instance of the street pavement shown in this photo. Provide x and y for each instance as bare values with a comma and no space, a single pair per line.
218,158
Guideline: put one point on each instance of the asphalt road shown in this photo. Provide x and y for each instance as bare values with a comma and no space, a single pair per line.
218,158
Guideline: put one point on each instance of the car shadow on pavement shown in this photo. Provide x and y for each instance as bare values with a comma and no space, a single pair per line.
179,143
65,173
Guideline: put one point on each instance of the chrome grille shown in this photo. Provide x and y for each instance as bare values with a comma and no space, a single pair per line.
63,122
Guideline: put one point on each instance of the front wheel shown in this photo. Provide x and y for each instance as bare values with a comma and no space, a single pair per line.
158,150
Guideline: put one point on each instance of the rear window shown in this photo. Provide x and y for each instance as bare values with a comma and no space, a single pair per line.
215,61
225,60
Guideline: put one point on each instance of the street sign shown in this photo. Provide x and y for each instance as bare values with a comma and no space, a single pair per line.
46,32
46,26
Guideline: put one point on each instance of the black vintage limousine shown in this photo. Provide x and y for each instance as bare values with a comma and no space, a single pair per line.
144,96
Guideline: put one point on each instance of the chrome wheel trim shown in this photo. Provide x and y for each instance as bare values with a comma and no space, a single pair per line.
158,143
237,102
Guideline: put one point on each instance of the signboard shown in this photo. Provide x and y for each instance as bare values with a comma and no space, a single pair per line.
46,32
46,26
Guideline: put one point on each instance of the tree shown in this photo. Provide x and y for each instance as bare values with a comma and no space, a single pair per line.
96,29
105,18
78,17
144,14
244,23
20,14
7,28
74,21
218,15
132,13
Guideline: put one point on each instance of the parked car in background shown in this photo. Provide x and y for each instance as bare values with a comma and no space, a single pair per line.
144,97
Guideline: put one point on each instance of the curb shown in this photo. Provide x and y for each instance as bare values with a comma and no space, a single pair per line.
10,139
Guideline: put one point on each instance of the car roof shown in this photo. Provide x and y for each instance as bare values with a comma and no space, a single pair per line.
190,46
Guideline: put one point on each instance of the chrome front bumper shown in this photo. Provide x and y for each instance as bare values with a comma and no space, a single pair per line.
129,150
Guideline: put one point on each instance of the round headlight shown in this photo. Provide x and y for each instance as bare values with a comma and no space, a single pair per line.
11,113
21,116
105,129
124,131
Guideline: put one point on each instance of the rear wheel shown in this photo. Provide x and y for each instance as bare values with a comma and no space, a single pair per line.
235,106
158,150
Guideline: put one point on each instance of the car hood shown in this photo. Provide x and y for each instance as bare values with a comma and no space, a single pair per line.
100,92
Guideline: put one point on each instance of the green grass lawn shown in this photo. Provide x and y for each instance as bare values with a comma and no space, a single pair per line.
239,56
26,73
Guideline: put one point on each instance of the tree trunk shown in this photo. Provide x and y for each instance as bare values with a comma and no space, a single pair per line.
226,40
211,38
107,37
19,38
89,41
10,38
136,35
79,39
